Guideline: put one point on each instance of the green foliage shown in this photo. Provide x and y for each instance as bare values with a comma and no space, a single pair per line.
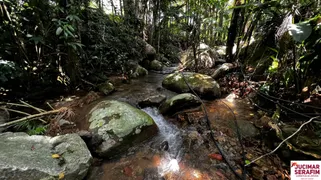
31,127
54,46
274,66
300,31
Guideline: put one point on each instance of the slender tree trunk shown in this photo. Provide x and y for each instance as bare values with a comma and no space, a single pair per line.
232,32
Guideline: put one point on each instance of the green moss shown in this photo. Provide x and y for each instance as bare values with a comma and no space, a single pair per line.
119,118
202,84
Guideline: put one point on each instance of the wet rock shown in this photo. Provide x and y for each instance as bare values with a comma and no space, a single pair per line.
178,103
155,101
156,65
106,88
246,128
222,70
140,71
307,143
29,157
203,85
4,117
65,123
120,125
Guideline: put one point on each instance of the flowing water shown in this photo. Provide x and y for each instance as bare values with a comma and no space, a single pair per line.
171,136
182,149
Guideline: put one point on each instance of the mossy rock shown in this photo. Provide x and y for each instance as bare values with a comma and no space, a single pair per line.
178,103
139,72
120,126
106,88
203,85
156,65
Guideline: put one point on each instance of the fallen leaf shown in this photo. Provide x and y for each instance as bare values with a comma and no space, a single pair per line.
128,171
239,171
61,176
55,156
216,156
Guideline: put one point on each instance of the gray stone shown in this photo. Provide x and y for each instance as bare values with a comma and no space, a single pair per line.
155,101
203,85
206,57
156,65
120,126
30,157
222,70
150,51
246,128
140,71
63,122
4,117
178,103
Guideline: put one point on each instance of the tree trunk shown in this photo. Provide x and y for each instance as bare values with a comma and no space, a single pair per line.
232,33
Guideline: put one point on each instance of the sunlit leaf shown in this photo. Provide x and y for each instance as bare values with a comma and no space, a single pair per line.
55,156
275,64
61,176
300,31
247,162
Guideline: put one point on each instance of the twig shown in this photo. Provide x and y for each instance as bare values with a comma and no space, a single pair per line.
33,107
13,104
50,106
87,82
63,109
20,112
267,154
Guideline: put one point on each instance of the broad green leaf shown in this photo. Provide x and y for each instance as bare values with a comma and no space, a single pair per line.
58,31
300,31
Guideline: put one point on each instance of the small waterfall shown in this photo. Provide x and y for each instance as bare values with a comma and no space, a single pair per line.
172,135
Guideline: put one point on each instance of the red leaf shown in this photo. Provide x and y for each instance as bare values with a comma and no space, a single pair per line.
128,171
216,156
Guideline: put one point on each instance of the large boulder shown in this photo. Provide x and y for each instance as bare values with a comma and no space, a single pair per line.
206,57
178,103
203,85
150,51
120,126
42,157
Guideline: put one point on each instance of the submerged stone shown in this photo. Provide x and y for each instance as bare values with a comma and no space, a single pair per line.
120,126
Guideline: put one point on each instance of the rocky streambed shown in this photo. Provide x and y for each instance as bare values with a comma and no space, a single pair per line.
152,128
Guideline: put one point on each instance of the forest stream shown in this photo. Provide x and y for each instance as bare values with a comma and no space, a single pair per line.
183,149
